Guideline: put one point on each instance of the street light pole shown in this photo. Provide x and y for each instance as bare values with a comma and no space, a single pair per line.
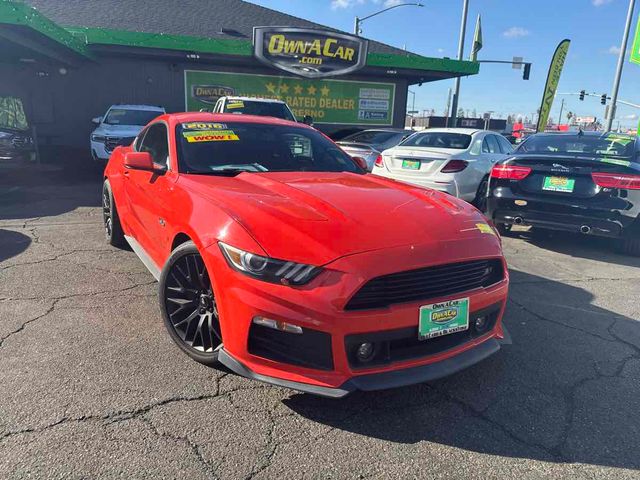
463,29
618,76
358,21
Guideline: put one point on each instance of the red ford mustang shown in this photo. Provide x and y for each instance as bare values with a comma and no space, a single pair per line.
279,257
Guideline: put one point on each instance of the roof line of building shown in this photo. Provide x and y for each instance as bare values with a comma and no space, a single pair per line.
79,39
102,36
18,13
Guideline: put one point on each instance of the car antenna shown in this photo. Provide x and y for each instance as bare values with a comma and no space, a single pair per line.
580,132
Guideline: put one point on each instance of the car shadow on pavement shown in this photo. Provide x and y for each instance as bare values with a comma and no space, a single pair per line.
12,244
578,246
566,390
59,186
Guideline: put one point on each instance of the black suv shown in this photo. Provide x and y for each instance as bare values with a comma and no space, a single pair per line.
16,141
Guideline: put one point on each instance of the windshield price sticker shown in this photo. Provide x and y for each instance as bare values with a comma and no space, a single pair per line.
210,136
204,126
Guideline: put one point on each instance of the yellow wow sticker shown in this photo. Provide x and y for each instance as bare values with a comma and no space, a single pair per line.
233,105
211,136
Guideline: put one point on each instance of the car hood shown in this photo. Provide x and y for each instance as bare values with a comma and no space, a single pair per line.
315,218
118,130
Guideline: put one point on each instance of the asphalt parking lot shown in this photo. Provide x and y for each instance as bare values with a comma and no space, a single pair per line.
92,387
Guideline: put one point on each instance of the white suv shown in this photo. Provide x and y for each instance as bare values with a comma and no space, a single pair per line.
119,126
264,107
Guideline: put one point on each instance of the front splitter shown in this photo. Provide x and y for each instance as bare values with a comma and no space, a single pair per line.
377,381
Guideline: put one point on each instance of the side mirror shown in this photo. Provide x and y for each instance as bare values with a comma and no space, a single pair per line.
96,120
138,161
307,120
362,163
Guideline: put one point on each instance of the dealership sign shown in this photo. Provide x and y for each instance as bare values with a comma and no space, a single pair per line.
310,53
328,101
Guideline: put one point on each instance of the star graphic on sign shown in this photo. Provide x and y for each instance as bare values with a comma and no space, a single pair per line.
284,88
297,89
325,91
311,90
271,87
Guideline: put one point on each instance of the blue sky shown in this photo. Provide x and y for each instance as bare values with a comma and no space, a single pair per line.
510,28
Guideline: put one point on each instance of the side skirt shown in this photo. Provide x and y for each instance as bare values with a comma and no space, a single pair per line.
144,257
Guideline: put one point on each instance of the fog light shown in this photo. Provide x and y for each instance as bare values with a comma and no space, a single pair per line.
277,325
480,323
365,351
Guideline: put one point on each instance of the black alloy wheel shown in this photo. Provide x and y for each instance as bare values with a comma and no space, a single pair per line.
189,306
111,220
480,202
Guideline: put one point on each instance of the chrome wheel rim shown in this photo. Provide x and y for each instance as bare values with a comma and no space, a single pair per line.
191,305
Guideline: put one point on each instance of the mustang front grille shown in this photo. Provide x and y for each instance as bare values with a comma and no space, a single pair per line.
426,283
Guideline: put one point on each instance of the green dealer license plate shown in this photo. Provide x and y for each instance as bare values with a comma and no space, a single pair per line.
411,164
559,184
440,319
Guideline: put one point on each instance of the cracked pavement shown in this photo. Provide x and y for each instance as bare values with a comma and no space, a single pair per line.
92,387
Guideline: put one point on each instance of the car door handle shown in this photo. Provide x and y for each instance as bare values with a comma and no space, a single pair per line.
126,173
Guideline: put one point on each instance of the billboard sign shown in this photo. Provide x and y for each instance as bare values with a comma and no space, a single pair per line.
310,53
327,101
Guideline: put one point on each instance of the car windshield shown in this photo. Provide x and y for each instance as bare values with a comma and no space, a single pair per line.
458,141
607,145
263,109
123,116
234,147
380,140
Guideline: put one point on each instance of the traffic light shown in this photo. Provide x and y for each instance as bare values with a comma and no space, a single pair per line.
603,99
581,95
527,71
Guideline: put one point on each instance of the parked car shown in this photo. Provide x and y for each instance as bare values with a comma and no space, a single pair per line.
120,126
452,160
264,107
278,257
369,144
16,140
585,182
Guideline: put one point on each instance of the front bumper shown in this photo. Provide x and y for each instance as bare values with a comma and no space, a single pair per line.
327,367
378,381
99,152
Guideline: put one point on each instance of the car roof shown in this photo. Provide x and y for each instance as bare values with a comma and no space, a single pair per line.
394,130
153,108
253,99
184,117
586,134
466,131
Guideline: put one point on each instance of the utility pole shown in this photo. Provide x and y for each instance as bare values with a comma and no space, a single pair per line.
463,29
618,76
448,107
561,108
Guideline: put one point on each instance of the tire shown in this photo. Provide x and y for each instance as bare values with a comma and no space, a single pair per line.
188,305
480,200
111,220
629,246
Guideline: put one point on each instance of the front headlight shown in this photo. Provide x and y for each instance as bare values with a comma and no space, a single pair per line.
97,138
269,269
4,135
